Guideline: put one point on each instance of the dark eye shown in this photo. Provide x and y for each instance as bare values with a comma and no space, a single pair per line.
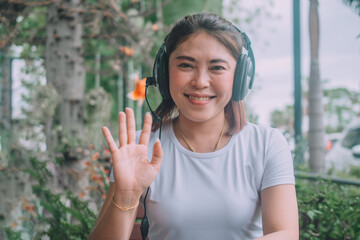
218,68
185,65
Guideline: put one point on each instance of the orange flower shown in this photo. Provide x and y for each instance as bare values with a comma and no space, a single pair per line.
13,225
96,177
91,146
95,156
128,51
139,93
107,151
81,195
155,27
87,163
29,207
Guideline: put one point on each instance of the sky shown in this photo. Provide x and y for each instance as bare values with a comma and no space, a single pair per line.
272,39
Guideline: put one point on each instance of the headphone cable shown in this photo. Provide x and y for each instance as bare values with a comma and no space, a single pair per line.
144,227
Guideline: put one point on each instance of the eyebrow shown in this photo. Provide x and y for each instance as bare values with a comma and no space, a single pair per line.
218,60
186,58
193,59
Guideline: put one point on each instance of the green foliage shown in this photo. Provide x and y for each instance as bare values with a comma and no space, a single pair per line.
355,171
12,235
32,27
38,171
283,118
66,222
355,4
328,211
339,108
65,148
45,101
177,9
59,215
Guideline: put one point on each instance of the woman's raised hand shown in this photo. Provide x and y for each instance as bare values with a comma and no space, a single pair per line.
133,172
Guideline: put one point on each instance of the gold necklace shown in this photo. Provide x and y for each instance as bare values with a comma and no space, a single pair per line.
189,145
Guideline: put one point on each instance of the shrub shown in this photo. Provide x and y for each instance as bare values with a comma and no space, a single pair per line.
62,214
328,210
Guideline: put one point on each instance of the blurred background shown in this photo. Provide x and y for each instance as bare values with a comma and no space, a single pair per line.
68,66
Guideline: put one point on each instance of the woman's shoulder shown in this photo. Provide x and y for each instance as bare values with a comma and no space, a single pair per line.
261,136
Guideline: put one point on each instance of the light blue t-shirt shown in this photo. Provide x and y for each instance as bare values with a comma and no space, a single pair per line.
216,195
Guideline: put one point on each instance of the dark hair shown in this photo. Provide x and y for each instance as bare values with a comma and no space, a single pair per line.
226,33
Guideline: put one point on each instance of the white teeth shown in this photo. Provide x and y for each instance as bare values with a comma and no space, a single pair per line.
199,98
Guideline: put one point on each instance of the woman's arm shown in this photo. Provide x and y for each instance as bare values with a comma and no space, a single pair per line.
133,173
112,223
280,213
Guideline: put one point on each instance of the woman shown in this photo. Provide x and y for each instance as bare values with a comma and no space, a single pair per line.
220,177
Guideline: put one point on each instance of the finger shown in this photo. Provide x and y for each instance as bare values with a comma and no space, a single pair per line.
157,155
145,133
122,133
109,139
130,123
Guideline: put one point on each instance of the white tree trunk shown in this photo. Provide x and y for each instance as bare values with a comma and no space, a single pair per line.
65,68
316,126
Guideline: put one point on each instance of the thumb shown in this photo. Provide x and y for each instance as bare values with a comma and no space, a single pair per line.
157,155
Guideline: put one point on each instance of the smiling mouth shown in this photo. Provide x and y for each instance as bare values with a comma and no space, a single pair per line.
199,98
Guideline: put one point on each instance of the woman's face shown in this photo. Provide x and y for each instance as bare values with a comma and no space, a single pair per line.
201,75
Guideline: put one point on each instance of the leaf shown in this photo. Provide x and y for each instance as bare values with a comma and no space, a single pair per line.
313,213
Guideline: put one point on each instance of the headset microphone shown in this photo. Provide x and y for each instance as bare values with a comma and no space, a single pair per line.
151,81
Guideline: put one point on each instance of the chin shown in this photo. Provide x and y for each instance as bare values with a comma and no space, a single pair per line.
200,116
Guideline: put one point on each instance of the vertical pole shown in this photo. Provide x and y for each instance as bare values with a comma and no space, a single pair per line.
316,121
97,69
125,85
297,82
130,86
120,92
10,93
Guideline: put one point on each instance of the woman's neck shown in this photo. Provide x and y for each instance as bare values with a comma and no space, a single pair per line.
201,137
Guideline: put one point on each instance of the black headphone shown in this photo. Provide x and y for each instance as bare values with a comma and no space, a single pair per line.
243,79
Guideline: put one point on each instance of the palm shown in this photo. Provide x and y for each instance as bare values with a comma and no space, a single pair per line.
132,169
133,172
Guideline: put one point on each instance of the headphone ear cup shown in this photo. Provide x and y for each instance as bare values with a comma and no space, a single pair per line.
161,72
241,78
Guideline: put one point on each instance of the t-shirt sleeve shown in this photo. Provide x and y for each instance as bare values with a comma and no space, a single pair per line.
278,167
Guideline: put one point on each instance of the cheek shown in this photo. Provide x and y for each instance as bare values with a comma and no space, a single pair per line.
172,76
225,86
177,80
174,85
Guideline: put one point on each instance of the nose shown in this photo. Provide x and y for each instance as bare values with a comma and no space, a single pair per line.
201,79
